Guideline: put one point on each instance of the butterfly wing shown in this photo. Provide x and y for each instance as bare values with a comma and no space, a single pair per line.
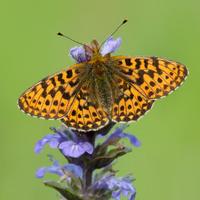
141,81
130,103
85,113
153,77
52,97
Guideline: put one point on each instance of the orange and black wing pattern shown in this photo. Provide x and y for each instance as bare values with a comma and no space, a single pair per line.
130,103
142,80
85,114
65,96
52,97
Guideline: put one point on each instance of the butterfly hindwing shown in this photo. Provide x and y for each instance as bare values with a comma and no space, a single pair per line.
153,77
52,96
130,103
85,114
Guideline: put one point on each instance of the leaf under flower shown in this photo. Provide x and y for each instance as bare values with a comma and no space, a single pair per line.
65,192
108,157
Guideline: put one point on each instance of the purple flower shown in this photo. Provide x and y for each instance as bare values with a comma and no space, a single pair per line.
110,46
119,134
67,141
59,170
118,186
52,139
76,149
79,54
54,169
75,169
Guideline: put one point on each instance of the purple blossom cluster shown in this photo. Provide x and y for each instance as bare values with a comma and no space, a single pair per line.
70,144
83,155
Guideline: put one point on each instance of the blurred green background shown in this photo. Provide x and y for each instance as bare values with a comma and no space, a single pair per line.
167,166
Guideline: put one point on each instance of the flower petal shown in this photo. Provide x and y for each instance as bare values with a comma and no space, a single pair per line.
116,195
51,139
133,140
75,169
78,54
87,147
40,172
110,46
75,150
118,134
71,149
54,169
117,186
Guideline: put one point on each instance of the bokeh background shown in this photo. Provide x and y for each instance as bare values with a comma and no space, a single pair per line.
167,166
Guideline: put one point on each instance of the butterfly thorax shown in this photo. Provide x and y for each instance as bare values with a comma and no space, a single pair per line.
92,51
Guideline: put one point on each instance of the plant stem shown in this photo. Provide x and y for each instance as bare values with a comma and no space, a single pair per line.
87,169
87,178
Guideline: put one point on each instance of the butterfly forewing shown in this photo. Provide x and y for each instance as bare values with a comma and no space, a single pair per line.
153,77
52,96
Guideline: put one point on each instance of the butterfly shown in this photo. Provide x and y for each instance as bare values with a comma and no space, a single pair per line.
101,88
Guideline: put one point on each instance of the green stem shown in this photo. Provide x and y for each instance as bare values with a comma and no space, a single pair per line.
87,171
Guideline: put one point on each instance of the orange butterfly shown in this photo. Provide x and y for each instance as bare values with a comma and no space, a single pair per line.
102,88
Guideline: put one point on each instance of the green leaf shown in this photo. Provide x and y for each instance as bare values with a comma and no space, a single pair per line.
107,158
102,194
62,190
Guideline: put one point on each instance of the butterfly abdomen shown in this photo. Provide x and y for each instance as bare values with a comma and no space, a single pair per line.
103,92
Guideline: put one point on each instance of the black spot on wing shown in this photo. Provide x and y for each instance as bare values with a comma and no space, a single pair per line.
146,63
69,73
128,62
52,93
73,83
61,89
138,63
55,103
62,81
47,102
155,61
140,81
66,95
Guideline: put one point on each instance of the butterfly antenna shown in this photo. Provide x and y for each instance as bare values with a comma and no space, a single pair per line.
124,22
60,34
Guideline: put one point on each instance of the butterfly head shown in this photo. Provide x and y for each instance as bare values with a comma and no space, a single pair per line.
94,51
